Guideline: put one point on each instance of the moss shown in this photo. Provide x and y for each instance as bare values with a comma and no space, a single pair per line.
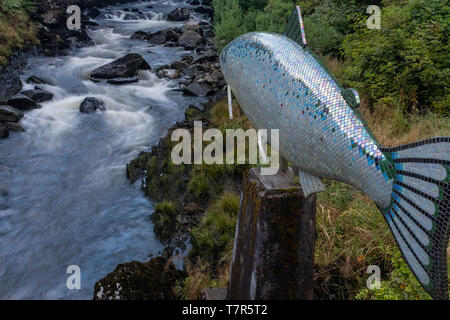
135,167
153,280
164,219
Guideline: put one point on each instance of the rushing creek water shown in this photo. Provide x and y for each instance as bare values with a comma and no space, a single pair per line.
64,196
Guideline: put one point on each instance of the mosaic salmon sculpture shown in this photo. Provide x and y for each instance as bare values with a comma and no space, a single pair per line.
280,84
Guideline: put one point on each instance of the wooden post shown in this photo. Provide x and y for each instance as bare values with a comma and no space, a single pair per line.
273,254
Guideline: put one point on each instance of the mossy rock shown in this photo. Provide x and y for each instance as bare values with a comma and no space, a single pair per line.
152,280
164,219
135,167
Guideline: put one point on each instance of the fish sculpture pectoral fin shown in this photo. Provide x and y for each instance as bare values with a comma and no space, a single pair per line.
310,184
419,213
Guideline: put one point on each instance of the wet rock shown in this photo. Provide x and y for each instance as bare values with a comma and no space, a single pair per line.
179,65
11,126
122,70
205,10
152,280
190,39
136,168
179,14
215,79
91,105
168,73
193,71
193,26
119,81
198,89
140,35
188,58
158,38
161,37
36,80
171,44
209,56
38,95
93,13
4,132
10,114
22,102
10,84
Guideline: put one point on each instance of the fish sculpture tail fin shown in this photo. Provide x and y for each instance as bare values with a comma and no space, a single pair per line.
419,213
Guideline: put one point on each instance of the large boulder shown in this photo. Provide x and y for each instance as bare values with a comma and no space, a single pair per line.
38,95
10,84
193,26
208,56
190,39
158,38
140,35
10,114
179,65
36,80
122,70
91,105
22,102
164,36
4,132
12,126
204,10
180,14
198,89
193,71
152,280
168,73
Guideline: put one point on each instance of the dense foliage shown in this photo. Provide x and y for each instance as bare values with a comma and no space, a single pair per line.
404,65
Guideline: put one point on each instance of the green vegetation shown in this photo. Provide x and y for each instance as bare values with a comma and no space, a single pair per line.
353,235
212,245
213,238
16,30
402,68
164,219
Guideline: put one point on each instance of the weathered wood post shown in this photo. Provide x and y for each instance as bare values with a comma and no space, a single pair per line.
273,254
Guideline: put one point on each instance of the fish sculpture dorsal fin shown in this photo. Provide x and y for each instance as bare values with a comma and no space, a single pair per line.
295,29
351,96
